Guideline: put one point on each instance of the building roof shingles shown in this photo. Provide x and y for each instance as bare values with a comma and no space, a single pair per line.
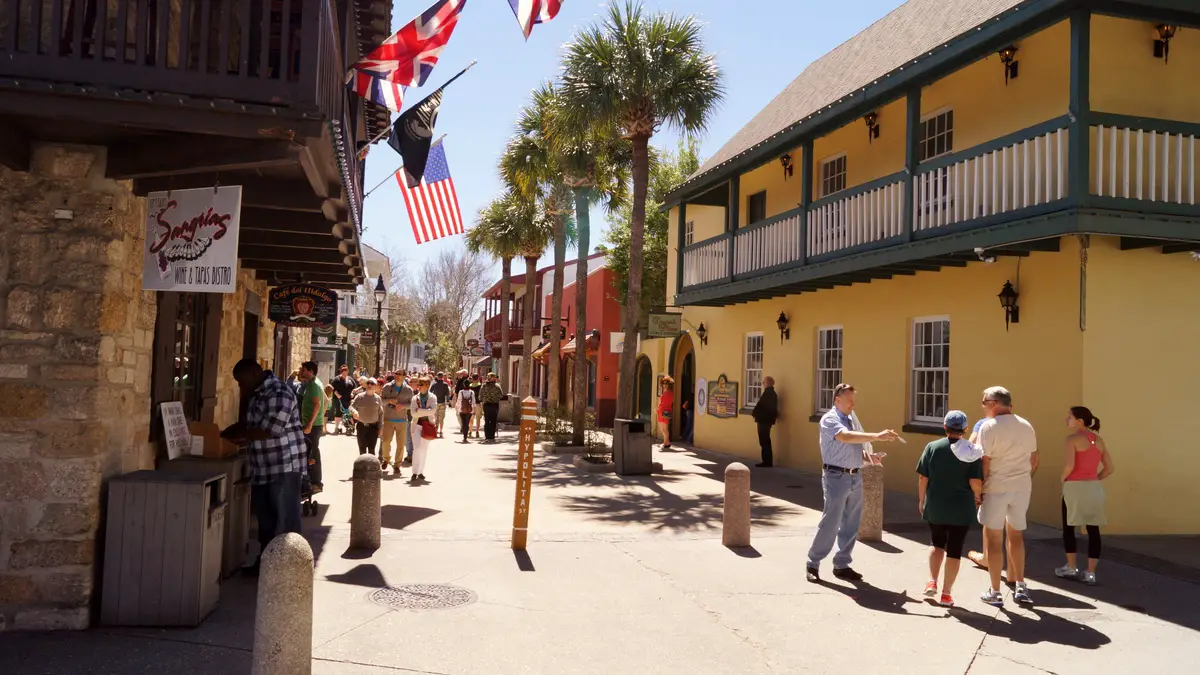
908,32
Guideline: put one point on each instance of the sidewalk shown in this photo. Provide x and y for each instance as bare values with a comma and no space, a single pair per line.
627,575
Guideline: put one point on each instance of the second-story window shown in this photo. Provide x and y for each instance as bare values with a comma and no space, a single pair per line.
937,135
689,233
756,207
833,175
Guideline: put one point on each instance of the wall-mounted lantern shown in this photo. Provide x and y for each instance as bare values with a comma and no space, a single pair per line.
784,333
1008,57
786,161
702,333
1162,46
1008,300
872,120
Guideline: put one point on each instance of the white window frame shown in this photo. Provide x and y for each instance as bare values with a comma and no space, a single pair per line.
937,198
821,369
689,233
749,385
764,209
823,179
941,112
923,379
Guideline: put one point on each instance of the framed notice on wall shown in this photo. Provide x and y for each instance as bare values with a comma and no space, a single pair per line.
723,398
192,240
175,430
702,397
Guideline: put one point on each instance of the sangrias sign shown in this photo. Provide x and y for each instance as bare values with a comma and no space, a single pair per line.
192,240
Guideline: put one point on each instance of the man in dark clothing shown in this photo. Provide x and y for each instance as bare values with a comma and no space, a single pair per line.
344,387
442,391
766,411
490,395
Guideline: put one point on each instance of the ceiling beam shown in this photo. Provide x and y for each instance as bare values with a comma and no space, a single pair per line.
1132,243
284,195
293,276
258,237
319,256
1180,248
305,222
196,154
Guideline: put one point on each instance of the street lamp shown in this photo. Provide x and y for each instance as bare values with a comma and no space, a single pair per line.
380,296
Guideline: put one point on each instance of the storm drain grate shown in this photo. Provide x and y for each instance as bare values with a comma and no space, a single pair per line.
422,596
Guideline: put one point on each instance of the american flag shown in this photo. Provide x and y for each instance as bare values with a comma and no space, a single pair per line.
530,12
381,91
408,57
433,204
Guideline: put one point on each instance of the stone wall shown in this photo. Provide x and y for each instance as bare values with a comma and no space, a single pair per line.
233,318
76,333
301,349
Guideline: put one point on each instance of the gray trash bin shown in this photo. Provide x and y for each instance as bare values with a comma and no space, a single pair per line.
632,448
237,519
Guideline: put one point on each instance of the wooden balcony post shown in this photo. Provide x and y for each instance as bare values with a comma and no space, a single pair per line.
680,242
912,156
731,223
1079,143
806,184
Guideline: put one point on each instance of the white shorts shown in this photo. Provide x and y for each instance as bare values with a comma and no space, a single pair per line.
999,507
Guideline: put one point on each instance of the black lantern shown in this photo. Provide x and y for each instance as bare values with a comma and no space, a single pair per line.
702,333
1008,300
1008,56
786,161
1162,46
784,333
380,296
872,120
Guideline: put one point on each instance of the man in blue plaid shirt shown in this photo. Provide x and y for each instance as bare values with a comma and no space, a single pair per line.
277,451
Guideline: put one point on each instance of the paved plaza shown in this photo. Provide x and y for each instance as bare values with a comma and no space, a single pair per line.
628,575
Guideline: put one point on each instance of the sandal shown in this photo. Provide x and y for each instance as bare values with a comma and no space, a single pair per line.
977,558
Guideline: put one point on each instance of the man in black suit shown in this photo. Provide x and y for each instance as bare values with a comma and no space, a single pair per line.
766,411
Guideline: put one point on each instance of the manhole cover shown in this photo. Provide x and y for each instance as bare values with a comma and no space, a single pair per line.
422,596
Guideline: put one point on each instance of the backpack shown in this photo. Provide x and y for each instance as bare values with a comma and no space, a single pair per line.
468,402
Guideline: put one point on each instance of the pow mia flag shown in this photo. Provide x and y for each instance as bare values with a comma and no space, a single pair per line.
412,133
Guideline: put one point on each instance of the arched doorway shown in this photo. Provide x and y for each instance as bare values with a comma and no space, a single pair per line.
684,373
645,387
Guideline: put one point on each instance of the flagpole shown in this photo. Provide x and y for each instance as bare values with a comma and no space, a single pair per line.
460,74
393,171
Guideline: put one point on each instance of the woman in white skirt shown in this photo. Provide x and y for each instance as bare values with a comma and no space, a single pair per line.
1085,464
423,407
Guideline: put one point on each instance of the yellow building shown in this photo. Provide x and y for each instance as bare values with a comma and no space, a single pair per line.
884,200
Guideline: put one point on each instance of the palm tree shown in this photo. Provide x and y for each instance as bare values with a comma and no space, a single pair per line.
637,72
497,233
536,229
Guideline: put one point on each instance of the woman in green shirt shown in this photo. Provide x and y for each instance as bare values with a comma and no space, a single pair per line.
948,495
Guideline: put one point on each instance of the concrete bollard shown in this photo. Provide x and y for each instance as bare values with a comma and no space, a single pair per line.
365,503
284,617
735,526
871,526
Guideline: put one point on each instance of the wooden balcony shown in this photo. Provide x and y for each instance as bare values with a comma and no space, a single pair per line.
1010,195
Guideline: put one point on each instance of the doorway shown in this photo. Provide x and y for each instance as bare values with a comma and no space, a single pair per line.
685,383
645,387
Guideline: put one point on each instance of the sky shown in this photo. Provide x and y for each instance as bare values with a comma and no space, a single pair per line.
761,47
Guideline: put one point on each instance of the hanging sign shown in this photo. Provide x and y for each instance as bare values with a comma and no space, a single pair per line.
366,338
175,430
702,397
192,240
665,325
546,329
354,339
324,336
302,306
722,398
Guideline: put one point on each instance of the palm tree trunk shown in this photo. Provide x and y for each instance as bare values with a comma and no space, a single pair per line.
583,224
526,383
505,291
633,301
560,260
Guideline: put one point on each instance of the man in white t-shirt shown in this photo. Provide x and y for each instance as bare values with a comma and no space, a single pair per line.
1010,459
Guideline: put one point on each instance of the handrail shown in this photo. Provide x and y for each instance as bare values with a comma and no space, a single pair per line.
859,189
1173,127
1034,131
798,211
721,237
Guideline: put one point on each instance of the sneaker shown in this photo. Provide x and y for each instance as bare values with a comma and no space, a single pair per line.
946,600
993,598
407,462
930,589
1089,578
1065,572
1021,594
383,465
812,575
847,574
396,470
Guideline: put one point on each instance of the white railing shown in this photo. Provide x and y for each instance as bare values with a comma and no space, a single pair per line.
1147,165
861,218
706,263
1016,176
764,246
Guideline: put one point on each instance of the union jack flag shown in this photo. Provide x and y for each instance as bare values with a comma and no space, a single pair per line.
379,90
408,57
530,12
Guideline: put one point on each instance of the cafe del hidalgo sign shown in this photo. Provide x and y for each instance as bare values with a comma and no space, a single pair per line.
303,306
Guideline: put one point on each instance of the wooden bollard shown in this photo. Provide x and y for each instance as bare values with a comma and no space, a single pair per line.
870,528
735,522
365,503
520,531
283,618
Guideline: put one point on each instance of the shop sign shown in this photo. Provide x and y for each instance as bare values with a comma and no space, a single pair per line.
616,342
302,306
324,336
562,328
366,338
192,240
354,339
702,397
472,342
722,398
175,430
665,324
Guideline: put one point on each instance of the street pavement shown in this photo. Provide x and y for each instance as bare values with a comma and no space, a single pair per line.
628,575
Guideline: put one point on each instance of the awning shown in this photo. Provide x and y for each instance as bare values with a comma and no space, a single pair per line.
543,352
592,346
355,322
485,362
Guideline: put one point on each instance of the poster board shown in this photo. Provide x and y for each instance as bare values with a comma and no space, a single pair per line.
723,398
192,240
701,397
175,430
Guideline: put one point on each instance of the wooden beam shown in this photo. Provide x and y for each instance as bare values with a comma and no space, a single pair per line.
1180,248
313,172
1132,243
294,275
286,221
196,154
283,195
288,256
14,147
263,237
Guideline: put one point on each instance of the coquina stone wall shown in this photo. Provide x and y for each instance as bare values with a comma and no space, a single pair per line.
233,322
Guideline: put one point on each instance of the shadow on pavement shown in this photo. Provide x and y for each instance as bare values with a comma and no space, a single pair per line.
745,551
367,576
875,598
1025,630
524,562
668,511
396,517
881,546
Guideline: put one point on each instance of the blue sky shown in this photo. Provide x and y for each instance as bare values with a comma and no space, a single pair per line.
760,46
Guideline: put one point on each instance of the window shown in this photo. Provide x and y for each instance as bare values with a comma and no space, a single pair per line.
754,368
829,365
930,369
833,175
936,135
689,233
756,207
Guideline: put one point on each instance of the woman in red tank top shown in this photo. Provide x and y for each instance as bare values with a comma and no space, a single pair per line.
1086,463
666,406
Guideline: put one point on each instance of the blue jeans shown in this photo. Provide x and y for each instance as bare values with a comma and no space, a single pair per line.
277,506
839,520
